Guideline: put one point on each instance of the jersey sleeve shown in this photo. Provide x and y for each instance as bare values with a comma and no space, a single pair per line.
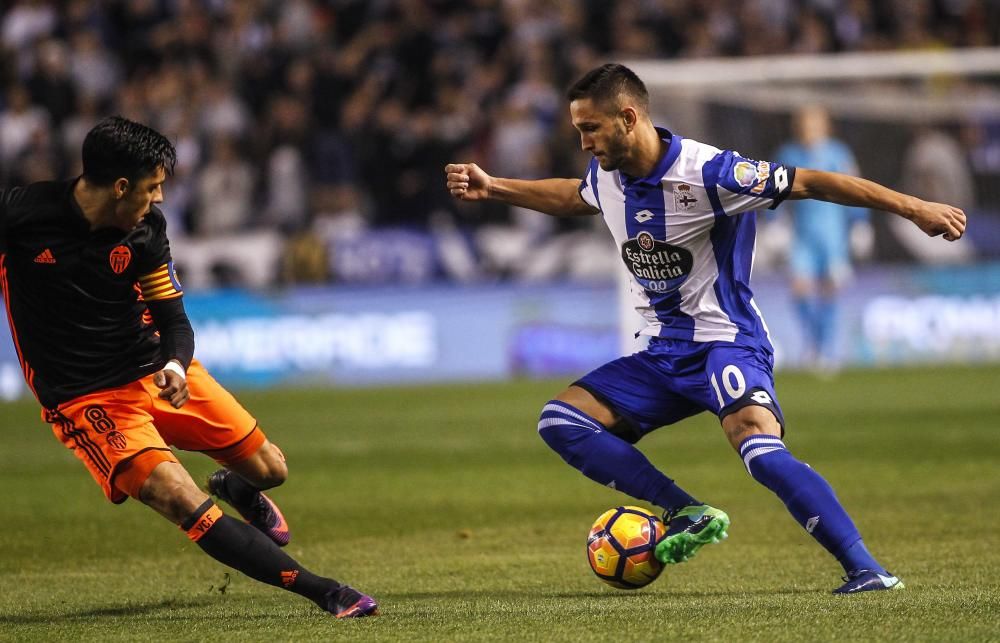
588,185
744,184
157,277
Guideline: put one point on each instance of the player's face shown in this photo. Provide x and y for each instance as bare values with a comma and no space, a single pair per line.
602,134
812,125
137,199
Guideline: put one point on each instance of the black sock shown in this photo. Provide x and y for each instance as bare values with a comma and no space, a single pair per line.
247,550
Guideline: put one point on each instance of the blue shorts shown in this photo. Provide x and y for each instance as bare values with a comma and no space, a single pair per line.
674,379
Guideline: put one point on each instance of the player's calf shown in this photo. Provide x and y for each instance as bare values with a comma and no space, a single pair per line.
586,445
245,549
812,502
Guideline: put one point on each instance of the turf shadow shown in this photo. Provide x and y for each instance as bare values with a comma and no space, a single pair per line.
131,609
598,593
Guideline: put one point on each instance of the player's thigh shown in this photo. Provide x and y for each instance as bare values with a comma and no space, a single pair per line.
638,394
112,434
740,377
211,421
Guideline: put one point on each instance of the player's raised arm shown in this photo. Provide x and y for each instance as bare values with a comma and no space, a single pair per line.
933,218
557,197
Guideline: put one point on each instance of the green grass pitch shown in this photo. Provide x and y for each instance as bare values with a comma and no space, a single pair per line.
443,503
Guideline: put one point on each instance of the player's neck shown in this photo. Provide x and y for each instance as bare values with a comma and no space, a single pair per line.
649,148
96,203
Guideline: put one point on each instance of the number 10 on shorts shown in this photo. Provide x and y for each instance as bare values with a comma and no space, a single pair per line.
734,383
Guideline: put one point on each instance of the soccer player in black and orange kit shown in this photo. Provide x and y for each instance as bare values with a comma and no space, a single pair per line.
98,322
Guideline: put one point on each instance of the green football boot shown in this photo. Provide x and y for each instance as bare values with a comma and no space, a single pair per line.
688,529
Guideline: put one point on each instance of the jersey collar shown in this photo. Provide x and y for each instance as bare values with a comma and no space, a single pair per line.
666,161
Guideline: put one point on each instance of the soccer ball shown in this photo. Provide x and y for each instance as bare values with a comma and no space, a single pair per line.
621,544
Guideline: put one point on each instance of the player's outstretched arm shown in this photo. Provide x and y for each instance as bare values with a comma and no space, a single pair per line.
933,218
557,197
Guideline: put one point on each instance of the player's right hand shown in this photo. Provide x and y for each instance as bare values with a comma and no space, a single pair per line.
173,387
468,181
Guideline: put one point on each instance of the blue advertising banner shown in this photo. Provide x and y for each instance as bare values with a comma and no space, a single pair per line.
370,336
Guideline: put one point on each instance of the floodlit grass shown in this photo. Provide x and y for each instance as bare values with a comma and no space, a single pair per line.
443,503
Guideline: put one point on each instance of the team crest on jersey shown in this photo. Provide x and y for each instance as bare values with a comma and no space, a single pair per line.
683,199
646,241
120,258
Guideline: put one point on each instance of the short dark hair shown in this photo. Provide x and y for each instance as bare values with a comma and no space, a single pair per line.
117,147
605,84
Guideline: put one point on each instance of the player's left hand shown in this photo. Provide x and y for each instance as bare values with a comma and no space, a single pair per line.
174,387
940,218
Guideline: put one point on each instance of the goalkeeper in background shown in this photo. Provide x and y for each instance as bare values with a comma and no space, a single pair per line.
820,255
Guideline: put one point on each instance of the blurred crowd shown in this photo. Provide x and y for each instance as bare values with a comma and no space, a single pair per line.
311,134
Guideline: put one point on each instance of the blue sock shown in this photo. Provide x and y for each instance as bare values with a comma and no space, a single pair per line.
809,498
826,325
605,458
805,308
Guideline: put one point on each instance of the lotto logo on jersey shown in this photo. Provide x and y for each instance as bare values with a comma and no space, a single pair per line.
657,265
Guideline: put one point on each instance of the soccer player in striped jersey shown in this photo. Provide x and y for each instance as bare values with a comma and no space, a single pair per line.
98,321
682,216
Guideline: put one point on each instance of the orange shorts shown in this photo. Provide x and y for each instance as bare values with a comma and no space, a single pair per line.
121,434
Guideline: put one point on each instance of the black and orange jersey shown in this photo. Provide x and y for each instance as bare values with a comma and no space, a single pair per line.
77,298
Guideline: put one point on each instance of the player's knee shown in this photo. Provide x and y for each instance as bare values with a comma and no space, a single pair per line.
265,474
265,469
583,401
275,469
562,426
749,421
275,475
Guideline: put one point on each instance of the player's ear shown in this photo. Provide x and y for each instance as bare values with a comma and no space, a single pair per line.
629,118
121,187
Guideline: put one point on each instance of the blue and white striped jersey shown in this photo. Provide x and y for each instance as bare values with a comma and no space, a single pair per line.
687,234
